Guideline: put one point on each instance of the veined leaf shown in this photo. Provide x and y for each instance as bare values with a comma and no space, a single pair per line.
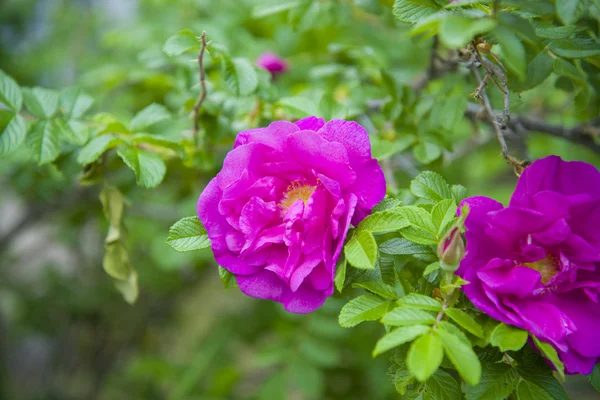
550,354
408,316
403,334
12,131
570,11
149,116
425,356
43,103
442,386
530,391
379,288
96,147
465,321
498,380
422,230
148,167
44,141
10,93
240,76
340,273
362,308
399,246
385,221
361,250
420,301
183,41
74,103
457,31
188,234
442,215
227,278
430,186
544,380
413,11
508,337
460,352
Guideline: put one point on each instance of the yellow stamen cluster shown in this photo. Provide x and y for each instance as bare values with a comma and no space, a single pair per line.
296,191
548,267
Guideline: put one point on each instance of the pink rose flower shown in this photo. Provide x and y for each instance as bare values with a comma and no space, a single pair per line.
272,63
536,263
279,210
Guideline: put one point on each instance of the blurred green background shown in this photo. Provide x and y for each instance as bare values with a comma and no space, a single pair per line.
66,333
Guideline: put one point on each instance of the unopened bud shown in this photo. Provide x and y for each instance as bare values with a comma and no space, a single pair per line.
451,250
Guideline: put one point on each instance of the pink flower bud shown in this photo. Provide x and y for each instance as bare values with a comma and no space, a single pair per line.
451,250
272,63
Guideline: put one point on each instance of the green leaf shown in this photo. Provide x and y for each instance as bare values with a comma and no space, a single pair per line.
425,356
426,152
430,186
465,321
96,147
551,355
183,41
508,337
420,301
362,308
570,11
44,141
240,76
544,380
75,132
537,71
460,352
113,205
399,246
361,250
422,230
273,7
530,391
188,234
453,111
386,204
457,31
148,167
497,382
565,68
227,278
385,221
403,334
575,48
74,103
431,268
594,377
513,52
10,93
299,106
559,32
442,215
413,11
12,131
402,316
129,288
43,103
442,386
340,273
459,192
379,288
149,116
116,261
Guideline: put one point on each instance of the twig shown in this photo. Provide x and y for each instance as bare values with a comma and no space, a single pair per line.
202,96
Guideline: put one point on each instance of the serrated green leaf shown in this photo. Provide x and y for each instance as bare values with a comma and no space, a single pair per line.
565,68
401,335
96,147
508,337
498,381
420,301
12,131
75,132
362,308
570,11
559,32
386,204
426,152
421,230
299,106
43,103
44,141
74,103
149,116
361,250
379,288
530,391
457,31
227,278
545,381
431,268
240,76
459,192
10,93
513,52
385,221
442,386
425,356
550,354
460,352
181,42
430,186
148,167
413,11
340,273
402,316
575,48
399,246
188,234
594,377
465,321
442,215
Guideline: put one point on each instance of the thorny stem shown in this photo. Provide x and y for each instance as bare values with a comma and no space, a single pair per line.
202,96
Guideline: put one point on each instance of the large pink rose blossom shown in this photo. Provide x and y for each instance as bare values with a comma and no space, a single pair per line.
536,263
278,212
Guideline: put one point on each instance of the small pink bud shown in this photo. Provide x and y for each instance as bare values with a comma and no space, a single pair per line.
272,63
451,250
